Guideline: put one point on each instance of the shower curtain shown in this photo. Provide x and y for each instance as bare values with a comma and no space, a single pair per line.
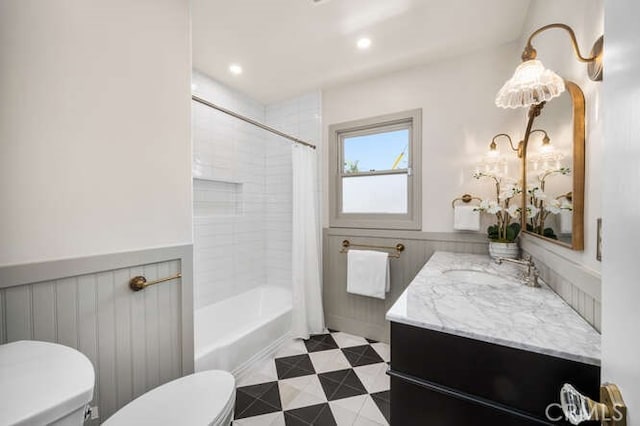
307,316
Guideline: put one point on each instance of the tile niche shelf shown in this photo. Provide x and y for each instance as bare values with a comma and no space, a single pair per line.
215,198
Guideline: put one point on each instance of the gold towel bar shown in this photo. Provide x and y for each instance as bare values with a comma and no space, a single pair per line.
466,198
140,283
346,244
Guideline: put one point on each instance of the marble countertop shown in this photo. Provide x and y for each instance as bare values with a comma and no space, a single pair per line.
503,310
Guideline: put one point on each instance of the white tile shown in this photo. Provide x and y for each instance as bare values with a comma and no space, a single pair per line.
374,377
330,360
346,410
271,419
371,412
264,371
345,340
301,392
342,416
296,347
363,421
383,350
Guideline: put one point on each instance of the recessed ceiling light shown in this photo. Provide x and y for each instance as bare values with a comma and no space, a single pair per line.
235,69
364,43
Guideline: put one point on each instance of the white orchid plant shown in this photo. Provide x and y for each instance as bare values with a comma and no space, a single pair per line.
542,205
507,226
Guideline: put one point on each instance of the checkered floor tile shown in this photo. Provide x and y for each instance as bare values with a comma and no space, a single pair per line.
333,379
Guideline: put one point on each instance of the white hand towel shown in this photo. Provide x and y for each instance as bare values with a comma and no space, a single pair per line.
465,219
368,273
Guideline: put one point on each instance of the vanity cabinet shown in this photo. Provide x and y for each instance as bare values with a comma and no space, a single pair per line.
438,378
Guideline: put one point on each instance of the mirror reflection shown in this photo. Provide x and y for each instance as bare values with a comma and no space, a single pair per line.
551,172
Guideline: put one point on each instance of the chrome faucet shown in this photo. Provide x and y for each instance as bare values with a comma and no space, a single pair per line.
531,277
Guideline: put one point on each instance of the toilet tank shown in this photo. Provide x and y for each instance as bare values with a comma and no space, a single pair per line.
44,383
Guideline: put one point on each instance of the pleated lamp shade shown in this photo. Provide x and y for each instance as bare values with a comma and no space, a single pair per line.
530,84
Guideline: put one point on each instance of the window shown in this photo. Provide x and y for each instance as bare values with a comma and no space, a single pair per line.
375,172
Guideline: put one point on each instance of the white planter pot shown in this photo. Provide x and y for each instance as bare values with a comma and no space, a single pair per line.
507,250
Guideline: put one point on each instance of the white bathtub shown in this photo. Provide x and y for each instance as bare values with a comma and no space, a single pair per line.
228,334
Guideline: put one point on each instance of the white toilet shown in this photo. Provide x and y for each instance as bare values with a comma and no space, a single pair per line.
44,384
205,398
49,384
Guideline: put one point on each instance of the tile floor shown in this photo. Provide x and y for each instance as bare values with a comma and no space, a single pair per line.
330,379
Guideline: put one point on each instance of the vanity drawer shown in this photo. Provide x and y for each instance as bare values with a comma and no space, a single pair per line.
413,405
525,381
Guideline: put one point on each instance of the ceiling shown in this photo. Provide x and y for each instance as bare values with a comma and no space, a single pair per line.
288,47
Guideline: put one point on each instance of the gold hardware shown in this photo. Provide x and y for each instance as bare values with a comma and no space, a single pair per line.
466,198
534,111
594,68
346,245
594,62
520,148
612,411
140,283
611,398
493,146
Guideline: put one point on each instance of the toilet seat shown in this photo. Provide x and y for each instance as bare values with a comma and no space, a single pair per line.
204,398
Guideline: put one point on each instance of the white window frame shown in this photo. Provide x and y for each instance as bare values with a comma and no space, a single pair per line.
412,220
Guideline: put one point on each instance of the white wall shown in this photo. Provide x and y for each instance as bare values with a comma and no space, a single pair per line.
94,127
459,119
621,184
586,17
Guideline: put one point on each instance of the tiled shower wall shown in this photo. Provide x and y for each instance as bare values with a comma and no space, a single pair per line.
228,194
242,189
299,117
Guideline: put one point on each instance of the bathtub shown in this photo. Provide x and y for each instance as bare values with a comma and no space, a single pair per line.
231,333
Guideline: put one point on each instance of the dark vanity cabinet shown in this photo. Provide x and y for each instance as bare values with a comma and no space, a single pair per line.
442,379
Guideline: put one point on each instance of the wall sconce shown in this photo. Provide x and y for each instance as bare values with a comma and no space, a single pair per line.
492,161
493,147
533,84
546,155
493,154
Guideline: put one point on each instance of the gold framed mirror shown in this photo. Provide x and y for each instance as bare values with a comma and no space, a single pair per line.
554,171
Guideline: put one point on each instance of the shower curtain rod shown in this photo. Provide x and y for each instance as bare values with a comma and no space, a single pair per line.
251,121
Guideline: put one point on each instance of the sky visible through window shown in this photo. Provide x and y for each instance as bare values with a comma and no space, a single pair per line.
377,152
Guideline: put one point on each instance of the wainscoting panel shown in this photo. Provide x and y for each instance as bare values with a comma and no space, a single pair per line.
365,316
135,340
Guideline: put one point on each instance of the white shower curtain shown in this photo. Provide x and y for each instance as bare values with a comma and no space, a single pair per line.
308,316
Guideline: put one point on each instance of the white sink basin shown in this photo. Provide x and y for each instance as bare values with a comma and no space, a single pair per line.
475,277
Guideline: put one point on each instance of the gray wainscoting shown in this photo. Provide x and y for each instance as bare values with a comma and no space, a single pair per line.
135,340
365,316
578,286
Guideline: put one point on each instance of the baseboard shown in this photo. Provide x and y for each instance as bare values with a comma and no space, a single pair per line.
359,328
264,354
